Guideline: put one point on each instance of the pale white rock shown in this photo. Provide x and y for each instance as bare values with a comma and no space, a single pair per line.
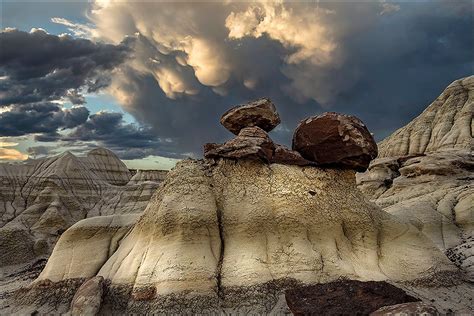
241,225
445,124
40,199
426,175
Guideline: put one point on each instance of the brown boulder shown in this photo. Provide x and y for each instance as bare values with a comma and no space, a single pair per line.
345,297
261,113
88,297
285,156
335,139
416,308
251,143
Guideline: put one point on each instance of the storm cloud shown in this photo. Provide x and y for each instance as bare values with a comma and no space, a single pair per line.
381,61
176,67
37,67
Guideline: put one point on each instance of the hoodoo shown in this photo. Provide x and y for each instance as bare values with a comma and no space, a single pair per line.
236,231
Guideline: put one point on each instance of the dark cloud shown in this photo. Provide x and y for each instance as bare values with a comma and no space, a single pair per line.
108,129
46,118
389,63
39,67
388,66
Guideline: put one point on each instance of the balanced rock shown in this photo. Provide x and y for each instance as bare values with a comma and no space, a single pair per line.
251,143
336,140
261,113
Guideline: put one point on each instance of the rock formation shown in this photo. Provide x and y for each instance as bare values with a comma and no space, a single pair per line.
445,124
42,198
231,234
345,297
333,139
426,174
261,113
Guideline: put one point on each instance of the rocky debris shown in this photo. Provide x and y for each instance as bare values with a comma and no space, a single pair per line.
407,309
345,297
333,139
88,297
261,113
251,143
285,156
445,124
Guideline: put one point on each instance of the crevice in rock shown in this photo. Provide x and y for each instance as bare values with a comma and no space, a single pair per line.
221,254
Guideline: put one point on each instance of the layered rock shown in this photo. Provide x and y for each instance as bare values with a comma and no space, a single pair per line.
251,143
333,139
426,175
261,113
445,124
42,198
233,235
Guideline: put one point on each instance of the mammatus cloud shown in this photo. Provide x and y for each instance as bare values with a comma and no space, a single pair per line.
186,63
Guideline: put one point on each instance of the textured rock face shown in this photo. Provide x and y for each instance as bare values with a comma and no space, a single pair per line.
433,192
347,297
261,113
407,309
42,198
251,143
213,233
88,298
445,124
426,175
336,140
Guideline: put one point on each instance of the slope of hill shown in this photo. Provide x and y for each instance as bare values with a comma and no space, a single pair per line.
426,173
445,124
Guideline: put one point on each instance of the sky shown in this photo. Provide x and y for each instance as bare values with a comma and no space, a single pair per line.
150,80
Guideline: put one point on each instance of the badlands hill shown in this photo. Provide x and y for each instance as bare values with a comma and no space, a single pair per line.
426,172
41,199
255,228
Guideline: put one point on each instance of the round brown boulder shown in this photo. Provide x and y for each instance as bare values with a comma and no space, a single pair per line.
261,113
335,139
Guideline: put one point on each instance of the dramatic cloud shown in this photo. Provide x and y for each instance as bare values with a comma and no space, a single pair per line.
194,60
108,129
47,118
176,67
38,66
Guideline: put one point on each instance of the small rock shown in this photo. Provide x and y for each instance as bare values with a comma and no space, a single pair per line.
251,143
416,308
88,297
285,156
334,139
261,113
